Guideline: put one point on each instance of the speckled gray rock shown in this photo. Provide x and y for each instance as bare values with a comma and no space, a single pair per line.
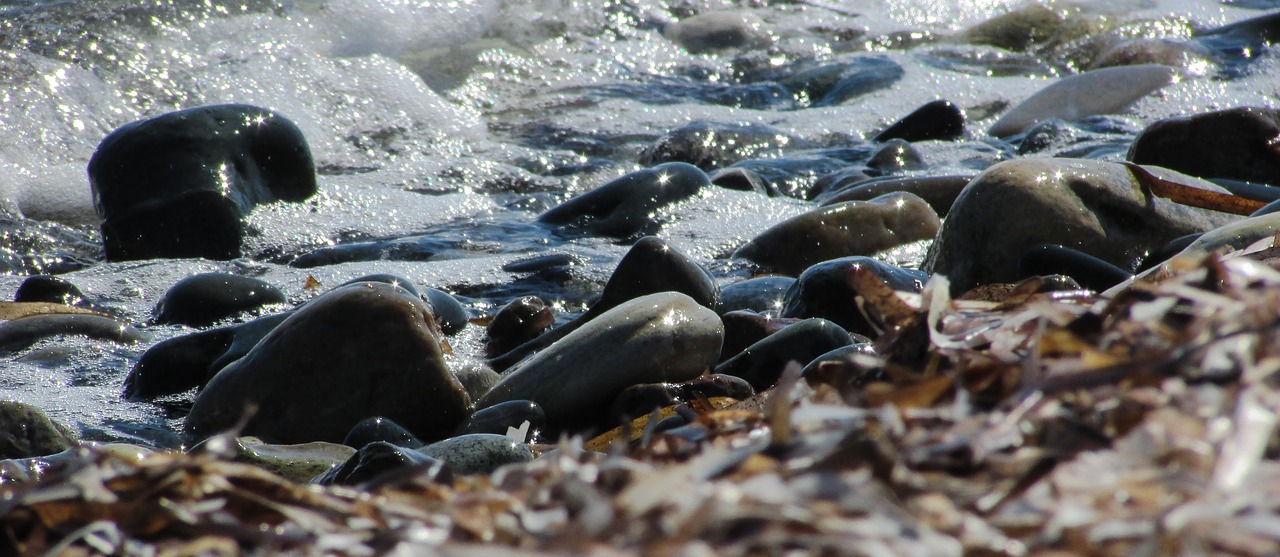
1094,207
845,229
26,432
478,453
664,337
368,349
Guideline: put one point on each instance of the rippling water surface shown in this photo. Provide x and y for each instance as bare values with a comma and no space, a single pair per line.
449,126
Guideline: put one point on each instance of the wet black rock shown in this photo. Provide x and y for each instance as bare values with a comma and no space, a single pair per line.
450,314
823,290
1088,271
379,429
650,266
742,328
17,334
640,400
215,164
187,362
366,349
762,363
849,228
835,82
518,322
1238,143
940,119
510,414
709,145
206,298
743,179
893,157
379,458
26,432
763,294
45,288
626,205
938,191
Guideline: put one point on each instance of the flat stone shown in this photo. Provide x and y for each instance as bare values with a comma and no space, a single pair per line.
1101,91
478,453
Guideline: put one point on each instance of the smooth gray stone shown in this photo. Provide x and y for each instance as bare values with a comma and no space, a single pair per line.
1238,144
497,418
626,206
17,334
712,31
652,339
178,185
1102,91
650,266
938,191
477,380
1237,235
376,459
367,349
823,290
764,294
762,363
1094,207
206,298
26,432
833,231
478,453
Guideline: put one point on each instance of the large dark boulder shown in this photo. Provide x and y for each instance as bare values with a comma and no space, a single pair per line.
1238,144
179,184
363,350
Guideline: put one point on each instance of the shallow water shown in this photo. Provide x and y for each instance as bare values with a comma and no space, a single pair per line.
447,127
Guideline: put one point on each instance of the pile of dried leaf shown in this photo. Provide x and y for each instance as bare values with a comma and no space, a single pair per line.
1142,422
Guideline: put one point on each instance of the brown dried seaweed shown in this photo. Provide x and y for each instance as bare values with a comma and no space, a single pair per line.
1142,421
